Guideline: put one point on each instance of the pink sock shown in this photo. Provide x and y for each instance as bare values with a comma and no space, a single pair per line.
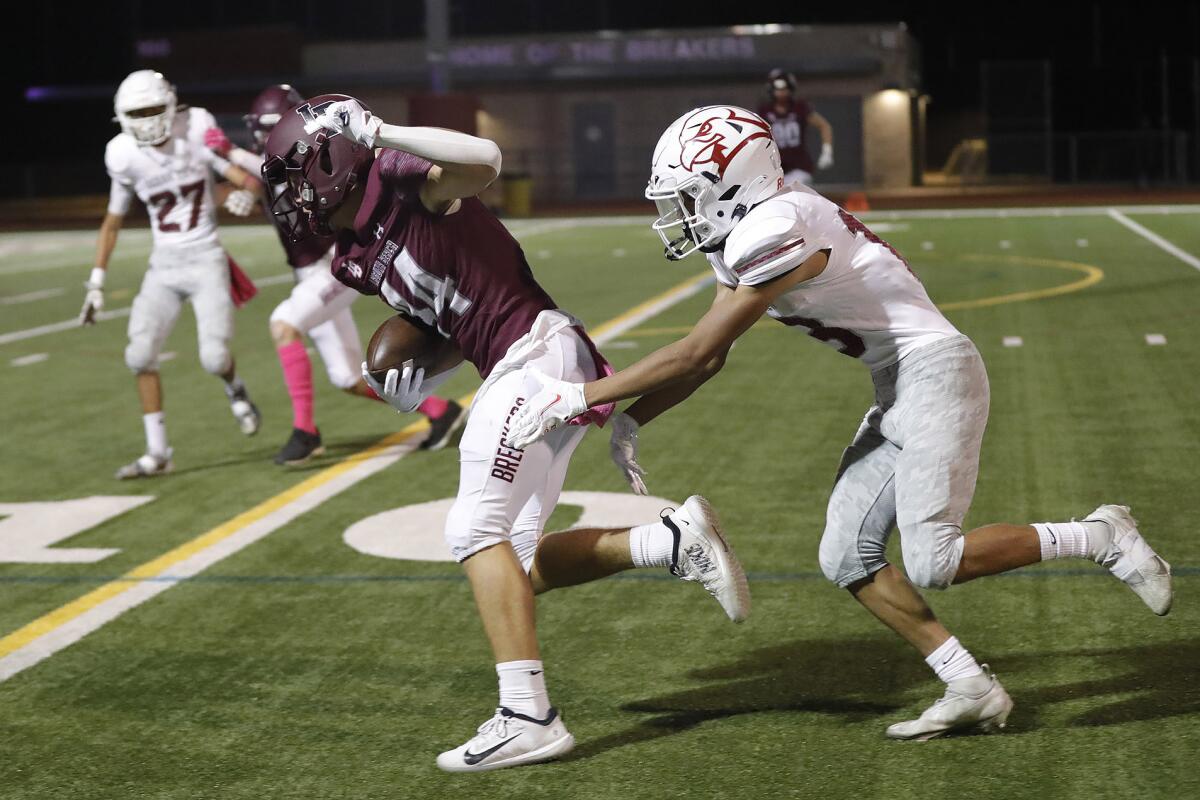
297,374
434,407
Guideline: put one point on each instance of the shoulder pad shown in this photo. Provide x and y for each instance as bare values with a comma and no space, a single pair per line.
118,154
768,226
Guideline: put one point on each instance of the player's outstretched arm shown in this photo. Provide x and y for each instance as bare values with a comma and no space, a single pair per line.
464,165
822,126
683,361
106,242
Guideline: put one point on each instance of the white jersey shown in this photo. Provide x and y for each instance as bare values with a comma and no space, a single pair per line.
175,182
866,302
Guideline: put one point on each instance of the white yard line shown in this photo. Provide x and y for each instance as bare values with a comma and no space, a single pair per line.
1155,239
29,297
68,624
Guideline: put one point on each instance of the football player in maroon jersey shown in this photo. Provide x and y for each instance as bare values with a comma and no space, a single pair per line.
318,306
790,117
410,229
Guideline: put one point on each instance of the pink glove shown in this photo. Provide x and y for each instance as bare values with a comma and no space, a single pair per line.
216,140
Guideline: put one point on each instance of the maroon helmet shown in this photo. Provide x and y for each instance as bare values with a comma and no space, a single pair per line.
318,170
267,109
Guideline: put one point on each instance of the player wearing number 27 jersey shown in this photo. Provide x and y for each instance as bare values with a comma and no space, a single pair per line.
160,158
800,259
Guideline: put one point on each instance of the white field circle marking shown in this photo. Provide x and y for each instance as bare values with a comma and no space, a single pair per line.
414,533
29,531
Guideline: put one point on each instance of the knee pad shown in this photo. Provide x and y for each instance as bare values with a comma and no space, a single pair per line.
932,554
462,531
140,357
846,557
214,357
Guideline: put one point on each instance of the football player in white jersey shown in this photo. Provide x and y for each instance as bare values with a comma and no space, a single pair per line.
799,258
160,158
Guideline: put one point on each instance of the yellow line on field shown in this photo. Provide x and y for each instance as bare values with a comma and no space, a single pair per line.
159,567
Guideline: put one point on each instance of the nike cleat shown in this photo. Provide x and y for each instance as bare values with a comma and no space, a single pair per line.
976,703
146,466
442,429
702,554
510,739
300,448
1133,561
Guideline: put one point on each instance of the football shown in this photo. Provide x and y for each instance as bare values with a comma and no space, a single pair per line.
401,338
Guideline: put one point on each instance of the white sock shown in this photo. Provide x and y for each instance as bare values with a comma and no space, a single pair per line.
523,688
651,545
156,433
1072,539
953,662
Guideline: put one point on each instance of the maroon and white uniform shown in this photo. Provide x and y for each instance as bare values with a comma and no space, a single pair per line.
790,130
463,274
318,306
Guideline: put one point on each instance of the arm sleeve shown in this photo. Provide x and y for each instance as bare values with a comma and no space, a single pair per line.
246,160
403,171
440,145
120,198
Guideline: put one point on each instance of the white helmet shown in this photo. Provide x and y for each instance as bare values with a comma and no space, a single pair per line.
709,168
145,106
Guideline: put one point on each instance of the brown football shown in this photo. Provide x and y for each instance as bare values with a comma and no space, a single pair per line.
401,338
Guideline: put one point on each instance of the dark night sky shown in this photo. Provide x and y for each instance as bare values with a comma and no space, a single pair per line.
1106,57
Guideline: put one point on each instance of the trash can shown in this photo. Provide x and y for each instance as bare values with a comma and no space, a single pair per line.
518,195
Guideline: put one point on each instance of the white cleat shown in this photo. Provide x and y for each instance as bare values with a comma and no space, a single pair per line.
510,739
246,414
147,466
976,703
702,554
1133,561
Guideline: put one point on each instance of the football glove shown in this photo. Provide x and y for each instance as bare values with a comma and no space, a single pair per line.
623,446
553,405
240,202
93,301
350,119
216,140
825,160
401,388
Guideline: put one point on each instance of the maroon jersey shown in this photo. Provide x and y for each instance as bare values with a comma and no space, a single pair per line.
790,131
461,273
308,250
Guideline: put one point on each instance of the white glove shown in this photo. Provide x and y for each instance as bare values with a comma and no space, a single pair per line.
93,301
240,202
401,388
350,119
623,445
825,160
554,404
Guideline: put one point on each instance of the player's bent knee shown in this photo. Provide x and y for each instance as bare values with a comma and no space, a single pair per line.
283,333
344,379
933,563
214,357
464,531
140,358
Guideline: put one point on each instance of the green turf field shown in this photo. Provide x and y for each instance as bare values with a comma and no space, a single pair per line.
299,667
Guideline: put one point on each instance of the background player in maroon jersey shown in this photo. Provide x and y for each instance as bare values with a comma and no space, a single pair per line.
318,306
790,117
410,229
